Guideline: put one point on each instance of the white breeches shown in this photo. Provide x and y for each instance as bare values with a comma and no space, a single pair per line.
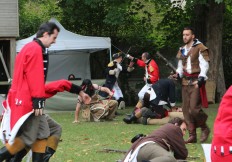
117,91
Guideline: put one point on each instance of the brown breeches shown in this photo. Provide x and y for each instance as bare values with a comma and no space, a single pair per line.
192,110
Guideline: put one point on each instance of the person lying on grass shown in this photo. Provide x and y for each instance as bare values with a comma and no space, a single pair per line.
152,106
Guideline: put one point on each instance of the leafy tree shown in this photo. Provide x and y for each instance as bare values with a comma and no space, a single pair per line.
33,13
207,18
121,20
227,43
134,22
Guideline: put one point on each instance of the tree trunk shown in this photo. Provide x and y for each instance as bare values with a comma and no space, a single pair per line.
214,25
221,79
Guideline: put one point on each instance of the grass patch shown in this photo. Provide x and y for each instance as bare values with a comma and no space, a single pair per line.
84,142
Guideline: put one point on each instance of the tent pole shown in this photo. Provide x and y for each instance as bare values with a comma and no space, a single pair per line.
110,54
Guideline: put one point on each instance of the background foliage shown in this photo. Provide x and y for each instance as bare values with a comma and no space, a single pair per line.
138,25
33,13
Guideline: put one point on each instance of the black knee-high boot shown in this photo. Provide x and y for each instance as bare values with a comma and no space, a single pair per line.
48,153
37,157
52,144
19,156
4,154
38,150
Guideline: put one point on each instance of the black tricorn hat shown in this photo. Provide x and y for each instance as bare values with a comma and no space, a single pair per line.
117,55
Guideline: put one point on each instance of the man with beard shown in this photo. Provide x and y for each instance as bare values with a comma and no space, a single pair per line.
192,68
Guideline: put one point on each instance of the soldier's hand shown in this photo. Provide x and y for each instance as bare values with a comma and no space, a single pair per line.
131,64
145,79
38,105
195,83
38,111
201,81
111,94
129,57
175,76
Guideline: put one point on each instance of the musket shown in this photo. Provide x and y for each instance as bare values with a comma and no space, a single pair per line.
168,63
113,150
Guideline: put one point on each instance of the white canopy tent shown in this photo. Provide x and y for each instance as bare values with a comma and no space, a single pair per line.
70,54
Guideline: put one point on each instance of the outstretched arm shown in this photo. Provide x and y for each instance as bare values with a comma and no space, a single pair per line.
107,90
64,85
104,89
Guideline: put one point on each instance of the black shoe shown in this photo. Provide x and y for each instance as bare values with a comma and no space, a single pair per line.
117,113
127,120
138,136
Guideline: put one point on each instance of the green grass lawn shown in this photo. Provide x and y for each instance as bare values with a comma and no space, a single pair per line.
84,142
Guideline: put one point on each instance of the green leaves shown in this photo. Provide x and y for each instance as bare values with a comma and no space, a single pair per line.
33,13
218,1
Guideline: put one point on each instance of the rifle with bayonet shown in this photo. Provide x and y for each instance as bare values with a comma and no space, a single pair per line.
168,63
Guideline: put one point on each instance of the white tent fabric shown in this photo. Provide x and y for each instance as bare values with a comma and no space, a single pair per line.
70,54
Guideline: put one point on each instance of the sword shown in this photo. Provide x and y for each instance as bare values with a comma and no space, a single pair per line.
125,55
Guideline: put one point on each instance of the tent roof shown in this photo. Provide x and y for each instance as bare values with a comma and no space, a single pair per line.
67,40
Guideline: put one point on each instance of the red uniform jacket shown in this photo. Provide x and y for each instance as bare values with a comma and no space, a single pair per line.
28,82
153,70
221,149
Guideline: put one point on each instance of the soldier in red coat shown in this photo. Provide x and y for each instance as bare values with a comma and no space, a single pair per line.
26,97
151,76
55,129
221,149
151,71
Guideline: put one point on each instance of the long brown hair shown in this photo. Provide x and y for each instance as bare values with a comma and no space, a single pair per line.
87,87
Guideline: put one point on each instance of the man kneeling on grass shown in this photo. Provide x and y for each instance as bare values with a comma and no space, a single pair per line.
165,144
100,109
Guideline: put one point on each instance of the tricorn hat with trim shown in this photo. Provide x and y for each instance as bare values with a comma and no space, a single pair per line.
117,55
